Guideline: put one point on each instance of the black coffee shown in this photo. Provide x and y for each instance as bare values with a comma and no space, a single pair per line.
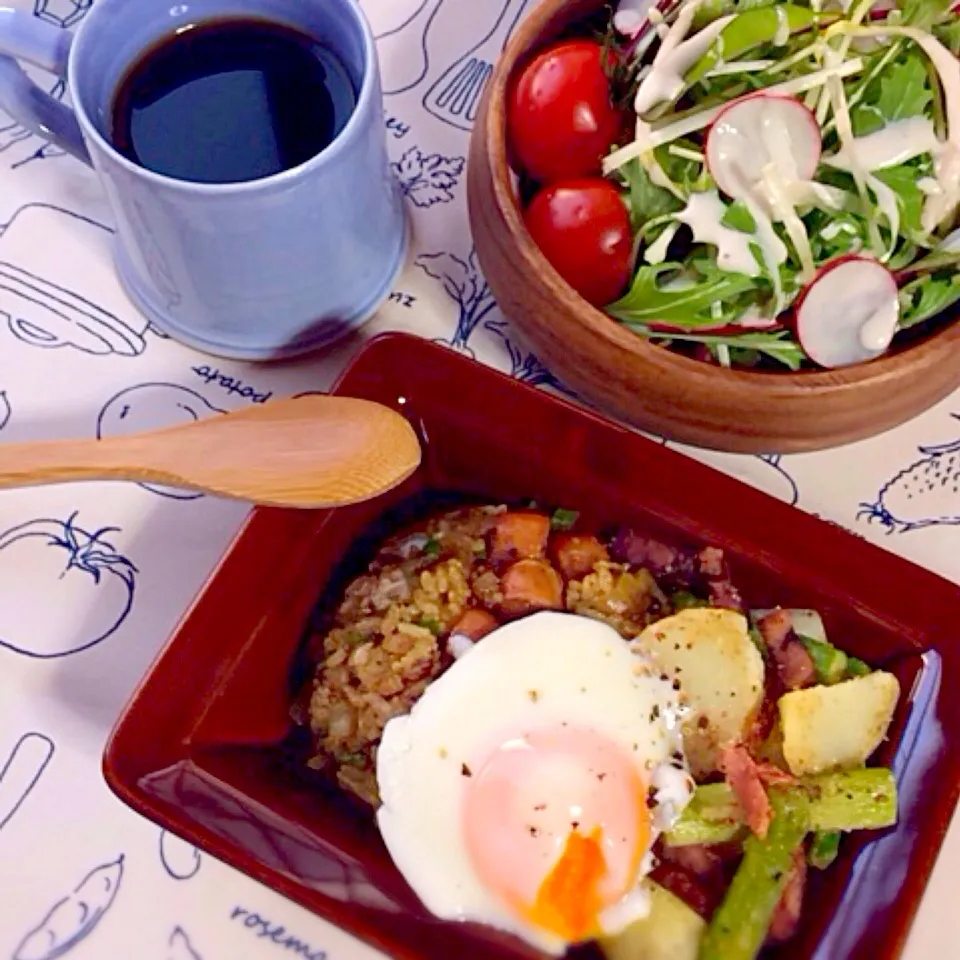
231,100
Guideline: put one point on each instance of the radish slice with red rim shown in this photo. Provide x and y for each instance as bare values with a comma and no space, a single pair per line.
849,313
757,130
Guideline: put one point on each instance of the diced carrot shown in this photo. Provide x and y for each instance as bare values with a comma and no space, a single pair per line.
475,624
530,585
519,536
576,554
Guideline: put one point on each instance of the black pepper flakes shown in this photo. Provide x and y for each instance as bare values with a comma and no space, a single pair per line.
465,771
601,777
540,806
534,831
534,695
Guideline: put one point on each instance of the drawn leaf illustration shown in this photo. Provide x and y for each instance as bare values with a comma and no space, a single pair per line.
427,180
75,917
451,271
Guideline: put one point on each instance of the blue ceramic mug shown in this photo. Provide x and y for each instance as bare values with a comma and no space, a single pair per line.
252,270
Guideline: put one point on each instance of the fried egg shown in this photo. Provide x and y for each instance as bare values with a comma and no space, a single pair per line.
526,787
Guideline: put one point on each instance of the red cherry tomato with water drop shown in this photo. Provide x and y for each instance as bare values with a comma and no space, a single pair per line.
582,227
560,121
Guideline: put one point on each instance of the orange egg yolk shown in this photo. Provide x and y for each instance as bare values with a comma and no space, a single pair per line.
556,824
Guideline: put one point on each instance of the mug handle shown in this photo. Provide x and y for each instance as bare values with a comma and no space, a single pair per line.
25,37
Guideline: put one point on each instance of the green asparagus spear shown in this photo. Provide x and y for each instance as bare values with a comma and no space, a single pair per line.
824,849
864,799
829,663
740,924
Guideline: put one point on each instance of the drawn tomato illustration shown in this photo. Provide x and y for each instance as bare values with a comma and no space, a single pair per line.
73,589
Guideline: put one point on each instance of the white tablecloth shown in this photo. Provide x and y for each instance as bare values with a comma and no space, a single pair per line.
93,578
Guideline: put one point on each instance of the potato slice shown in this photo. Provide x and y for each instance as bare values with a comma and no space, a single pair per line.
671,931
837,727
720,672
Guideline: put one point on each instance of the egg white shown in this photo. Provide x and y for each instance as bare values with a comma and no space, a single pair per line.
544,669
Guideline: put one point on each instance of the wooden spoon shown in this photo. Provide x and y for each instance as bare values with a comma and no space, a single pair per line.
312,451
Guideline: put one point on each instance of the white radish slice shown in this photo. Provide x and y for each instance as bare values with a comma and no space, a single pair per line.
849,313
740,142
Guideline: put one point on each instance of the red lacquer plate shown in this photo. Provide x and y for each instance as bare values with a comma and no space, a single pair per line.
203,748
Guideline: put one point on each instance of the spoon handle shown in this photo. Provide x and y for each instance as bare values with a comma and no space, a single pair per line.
64,461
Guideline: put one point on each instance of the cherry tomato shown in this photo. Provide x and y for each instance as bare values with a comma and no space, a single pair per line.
583,229
560,121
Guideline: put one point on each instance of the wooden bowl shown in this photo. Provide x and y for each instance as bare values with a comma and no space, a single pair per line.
650,386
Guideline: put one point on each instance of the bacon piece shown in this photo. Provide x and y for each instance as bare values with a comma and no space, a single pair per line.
772,776
786,917
794,664
740,771
702,898
676,568
722,592
576,555
521,535
530,585
700,859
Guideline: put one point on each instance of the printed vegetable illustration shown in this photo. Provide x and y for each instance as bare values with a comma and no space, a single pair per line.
924,494
75,917
180,859
55,568
464,284
64,13
524,366
152,406
22,770
179,946
427,179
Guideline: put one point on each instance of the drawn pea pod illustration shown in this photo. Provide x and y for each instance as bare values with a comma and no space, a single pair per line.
65,294
75,917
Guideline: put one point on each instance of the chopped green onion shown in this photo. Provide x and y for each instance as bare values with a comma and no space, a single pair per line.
563,519
432,547
684,600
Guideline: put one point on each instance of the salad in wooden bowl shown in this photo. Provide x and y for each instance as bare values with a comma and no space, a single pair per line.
768,189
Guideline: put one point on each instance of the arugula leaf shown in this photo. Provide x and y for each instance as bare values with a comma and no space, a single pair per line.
645,199
949,35
739,217
688,175
903,181
925,297
902,90
777,345
924,13
688,301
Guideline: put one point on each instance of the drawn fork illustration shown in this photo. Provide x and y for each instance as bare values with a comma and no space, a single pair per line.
455,95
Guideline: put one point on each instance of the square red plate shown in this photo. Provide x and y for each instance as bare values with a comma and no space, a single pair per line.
200,750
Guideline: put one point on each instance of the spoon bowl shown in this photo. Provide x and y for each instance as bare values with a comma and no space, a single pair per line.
313,451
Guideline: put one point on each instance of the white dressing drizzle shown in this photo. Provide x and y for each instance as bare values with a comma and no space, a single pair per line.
879,328
657,251
703,214
938,207
648,138
896,143
664,82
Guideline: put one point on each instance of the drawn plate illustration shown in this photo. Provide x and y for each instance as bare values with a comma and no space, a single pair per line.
65,294
75,917
51,569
